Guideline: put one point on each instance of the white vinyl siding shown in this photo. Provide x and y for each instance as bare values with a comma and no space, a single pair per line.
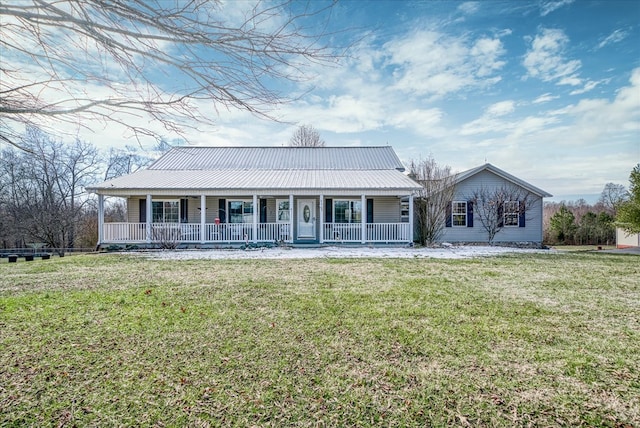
386,209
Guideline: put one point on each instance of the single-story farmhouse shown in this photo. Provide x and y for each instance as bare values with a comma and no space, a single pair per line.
487,197
208,196
217,196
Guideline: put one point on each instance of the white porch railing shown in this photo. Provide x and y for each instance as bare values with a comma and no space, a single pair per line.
243,232
229,232
125,232
342,232
376,232
388,232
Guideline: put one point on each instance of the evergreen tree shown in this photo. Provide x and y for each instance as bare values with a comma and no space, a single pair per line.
628,216
563,223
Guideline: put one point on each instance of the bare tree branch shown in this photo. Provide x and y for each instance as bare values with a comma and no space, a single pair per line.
306,136
492,207
72,61
438,188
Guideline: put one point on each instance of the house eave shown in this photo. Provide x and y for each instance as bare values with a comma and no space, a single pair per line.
255,191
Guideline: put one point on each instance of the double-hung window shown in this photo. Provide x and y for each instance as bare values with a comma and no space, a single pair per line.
165,211
283,211
240,211
511,213
347,211
459,214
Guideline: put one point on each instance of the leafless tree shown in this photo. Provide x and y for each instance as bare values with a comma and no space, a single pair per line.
612,196
431,203
45,195
124,161
500,206
306,136
152,66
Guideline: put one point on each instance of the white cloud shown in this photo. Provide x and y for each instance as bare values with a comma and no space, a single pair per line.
469,7
433,64
501,108
615,37
545,60
588,86
489,122
420,121
546,7
545,98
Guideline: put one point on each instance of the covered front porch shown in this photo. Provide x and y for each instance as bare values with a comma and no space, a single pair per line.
229,220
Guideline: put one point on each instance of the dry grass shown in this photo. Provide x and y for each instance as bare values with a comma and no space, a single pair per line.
527,340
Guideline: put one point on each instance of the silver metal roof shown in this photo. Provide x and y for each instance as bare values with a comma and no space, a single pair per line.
275,158
239,180
277,170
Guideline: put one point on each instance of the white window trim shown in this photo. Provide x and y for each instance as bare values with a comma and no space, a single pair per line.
454,213
244,201
350,201
163,211
505,213
278,201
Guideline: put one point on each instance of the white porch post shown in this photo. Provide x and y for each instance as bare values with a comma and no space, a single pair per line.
100,219
203,218
256,210
291,217
148,217
321,217
411,218
363,218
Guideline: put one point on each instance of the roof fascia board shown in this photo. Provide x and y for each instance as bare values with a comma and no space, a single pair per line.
242,192
503,174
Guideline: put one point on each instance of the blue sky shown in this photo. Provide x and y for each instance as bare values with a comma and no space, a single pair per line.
547,90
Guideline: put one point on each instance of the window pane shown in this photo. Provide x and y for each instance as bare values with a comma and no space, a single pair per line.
248,212
356,212
235,212
459,213
460,208
283,211
342,211
171,212
511,213
511,220
165,211
157,212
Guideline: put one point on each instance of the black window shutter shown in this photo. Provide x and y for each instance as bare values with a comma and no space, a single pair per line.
328,210
448,215
222,210
469,213
143,210
369,210
501,215
263,210
184,210
521,215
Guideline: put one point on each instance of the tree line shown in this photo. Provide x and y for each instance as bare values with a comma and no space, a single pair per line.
42,190
581,223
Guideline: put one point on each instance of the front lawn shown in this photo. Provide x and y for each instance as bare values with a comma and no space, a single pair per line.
521,340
